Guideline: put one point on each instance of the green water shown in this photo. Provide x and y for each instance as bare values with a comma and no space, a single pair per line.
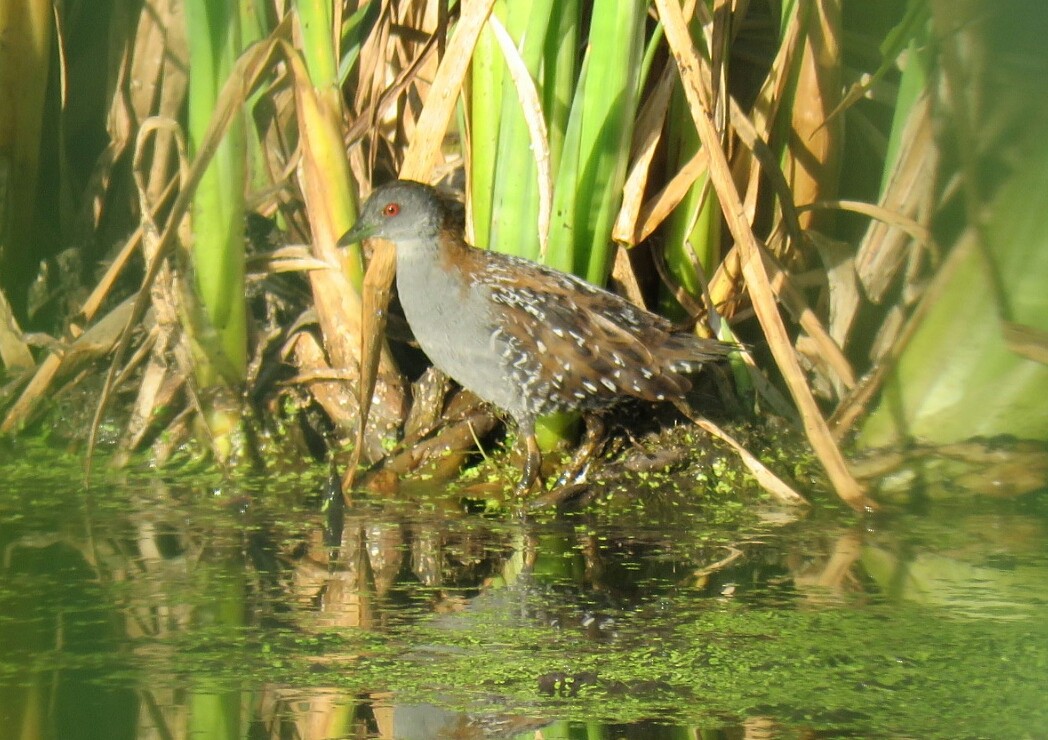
150,606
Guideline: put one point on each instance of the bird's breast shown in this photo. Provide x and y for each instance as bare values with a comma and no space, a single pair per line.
451,318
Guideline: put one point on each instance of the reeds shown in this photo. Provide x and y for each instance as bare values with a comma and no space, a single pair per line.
733,142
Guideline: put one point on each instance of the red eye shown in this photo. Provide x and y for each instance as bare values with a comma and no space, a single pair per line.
391,209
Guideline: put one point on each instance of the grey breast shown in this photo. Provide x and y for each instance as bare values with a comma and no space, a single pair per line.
451,319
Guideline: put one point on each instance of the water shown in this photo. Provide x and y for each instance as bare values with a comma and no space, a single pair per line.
155,607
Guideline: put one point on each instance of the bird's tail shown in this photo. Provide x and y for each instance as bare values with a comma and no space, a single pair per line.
686,353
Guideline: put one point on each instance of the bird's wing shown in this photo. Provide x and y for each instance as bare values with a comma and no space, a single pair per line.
605,345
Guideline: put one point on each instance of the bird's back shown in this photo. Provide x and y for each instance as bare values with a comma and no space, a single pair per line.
575,346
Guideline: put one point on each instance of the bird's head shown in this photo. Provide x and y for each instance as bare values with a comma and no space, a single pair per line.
401,211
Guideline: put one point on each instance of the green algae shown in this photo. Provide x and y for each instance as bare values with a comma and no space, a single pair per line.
612,616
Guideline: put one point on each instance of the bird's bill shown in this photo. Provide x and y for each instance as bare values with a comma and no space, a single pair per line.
355,235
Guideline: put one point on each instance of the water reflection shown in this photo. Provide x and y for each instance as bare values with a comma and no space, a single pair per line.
157,611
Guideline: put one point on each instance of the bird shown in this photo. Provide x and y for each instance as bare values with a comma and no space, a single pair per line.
524,337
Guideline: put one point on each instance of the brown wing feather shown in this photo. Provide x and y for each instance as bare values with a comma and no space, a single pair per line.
592,354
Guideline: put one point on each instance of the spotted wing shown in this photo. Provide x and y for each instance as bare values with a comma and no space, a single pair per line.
583,345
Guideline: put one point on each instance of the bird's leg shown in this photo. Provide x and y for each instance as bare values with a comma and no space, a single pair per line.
567,487
591,441
532,463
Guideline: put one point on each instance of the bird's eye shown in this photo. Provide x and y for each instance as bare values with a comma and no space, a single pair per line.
391,209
